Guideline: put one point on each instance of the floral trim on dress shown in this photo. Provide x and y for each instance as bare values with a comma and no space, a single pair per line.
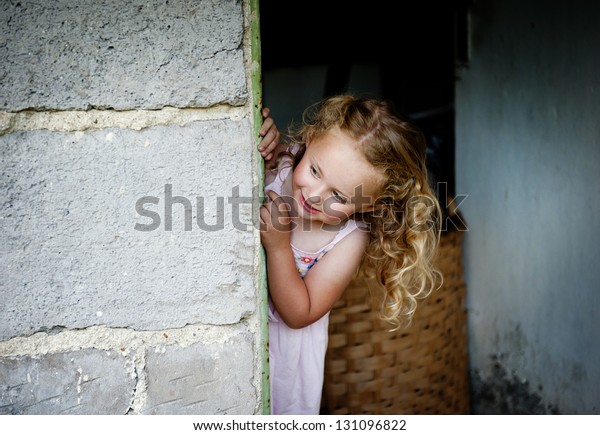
308,262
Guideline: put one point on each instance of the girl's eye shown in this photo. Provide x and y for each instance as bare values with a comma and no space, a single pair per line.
339,198
314,171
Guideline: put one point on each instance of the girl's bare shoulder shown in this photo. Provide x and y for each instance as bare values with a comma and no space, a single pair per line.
344,257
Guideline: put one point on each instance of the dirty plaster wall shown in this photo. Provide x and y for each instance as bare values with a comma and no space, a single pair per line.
128,254
528,156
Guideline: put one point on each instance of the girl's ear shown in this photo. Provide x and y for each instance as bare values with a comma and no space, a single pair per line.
308,139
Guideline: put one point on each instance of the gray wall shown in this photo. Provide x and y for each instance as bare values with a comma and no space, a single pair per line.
103,104
528,156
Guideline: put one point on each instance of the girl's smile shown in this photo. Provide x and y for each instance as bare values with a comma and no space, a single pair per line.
307,206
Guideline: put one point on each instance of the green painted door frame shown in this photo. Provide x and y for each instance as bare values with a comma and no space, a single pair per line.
256,77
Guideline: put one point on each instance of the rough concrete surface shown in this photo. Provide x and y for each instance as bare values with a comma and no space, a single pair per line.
79,54
71,256
90,381
201,379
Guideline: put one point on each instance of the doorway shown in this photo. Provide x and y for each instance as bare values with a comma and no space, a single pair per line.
408,57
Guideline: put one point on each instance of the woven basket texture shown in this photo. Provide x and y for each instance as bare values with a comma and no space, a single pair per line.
420,369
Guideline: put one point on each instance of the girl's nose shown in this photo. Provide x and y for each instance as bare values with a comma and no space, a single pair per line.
314,195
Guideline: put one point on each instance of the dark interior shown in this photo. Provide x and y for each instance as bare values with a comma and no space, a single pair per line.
415,45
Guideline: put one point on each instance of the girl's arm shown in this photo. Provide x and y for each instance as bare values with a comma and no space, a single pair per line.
301,302
298,301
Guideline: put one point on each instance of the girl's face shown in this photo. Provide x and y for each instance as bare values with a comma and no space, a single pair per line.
334,180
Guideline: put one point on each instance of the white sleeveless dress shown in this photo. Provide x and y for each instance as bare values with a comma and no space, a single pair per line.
297,356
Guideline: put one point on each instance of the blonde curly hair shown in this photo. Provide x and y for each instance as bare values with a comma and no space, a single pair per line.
405,224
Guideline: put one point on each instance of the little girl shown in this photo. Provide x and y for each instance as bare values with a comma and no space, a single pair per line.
350,189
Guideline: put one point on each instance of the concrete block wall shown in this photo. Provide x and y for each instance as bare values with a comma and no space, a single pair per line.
128,251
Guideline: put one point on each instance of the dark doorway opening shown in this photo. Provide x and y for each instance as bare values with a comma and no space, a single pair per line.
401,51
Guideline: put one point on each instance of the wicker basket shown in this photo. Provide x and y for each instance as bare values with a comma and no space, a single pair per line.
422,369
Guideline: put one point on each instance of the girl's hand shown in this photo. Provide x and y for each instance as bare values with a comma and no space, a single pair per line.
275,223
270,136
